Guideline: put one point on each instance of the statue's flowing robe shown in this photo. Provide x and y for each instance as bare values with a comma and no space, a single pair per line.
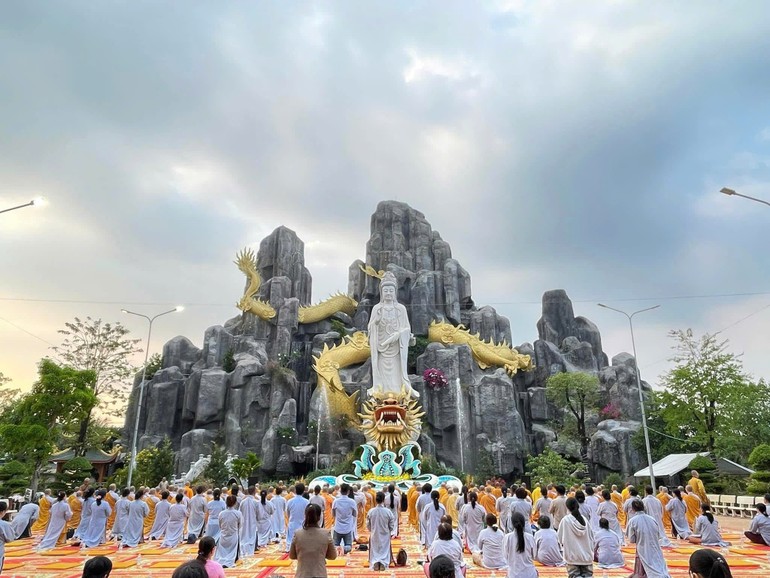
389,366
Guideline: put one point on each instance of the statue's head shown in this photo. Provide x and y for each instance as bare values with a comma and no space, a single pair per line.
388,287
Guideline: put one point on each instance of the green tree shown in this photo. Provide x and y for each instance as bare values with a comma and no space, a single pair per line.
154,464
244,468
105,349
217,470
14,478
549,467
485,467
8,394
72,472
578,393
709,399
153,365
60,399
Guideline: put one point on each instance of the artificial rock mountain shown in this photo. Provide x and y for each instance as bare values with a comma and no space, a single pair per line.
236,390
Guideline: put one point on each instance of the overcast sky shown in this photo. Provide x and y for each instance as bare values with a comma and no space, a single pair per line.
571,145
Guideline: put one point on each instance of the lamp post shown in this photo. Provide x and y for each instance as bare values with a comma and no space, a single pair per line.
731,192
639,384
38,202
132,463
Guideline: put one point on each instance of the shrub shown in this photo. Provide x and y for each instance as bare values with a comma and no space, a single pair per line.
759,459
228,361
14,478
705,468
757,488
415,351
549,467
761,477
613,480
153,365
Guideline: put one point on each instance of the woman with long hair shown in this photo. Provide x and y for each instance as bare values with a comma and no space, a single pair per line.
312,545
96,532
490,545
205,554
393,503
264,520
577,541
138,510
472,516
707,529
85,513
162,510
444,545
643,530
519,549
608,510
431,515
177,516
705,563
213,508
56,531
678,511
229,532
759,530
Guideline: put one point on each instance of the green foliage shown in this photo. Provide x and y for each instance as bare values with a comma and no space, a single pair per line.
286,434
344,467
485,466
72,473
761,476
340,424
708,398
153,365
31,429
549,467
228,361
613,480
756,488
578,393
217,471
154,464
339,327
430,465
662,444
415,351
706,469
14,478
8,395
244,468
759,459
735,485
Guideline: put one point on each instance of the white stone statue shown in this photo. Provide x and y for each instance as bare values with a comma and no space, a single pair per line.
389,337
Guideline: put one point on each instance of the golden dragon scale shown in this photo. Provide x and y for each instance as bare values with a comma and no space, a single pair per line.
486,353
353,350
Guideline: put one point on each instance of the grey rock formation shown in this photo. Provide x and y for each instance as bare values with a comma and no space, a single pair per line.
612,449
619,384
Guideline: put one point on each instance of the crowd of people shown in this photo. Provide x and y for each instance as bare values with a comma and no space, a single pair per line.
502,528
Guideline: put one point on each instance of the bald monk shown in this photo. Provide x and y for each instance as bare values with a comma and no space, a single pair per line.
328,513
617,499
112,498
412,494
693,506
697,487
664,499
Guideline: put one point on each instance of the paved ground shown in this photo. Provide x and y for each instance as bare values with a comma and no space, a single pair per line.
149,562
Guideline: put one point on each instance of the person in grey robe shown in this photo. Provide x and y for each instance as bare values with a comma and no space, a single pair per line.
279,514
393,503
121,514
60,514
607,510
607,546
96,532
138,510
707,530
381,524
196,512
6,534
85,513
177,515
229,534
213,508
643,531
264,513
520,504
161,517
317,499
432,513
423,501
654,508
472,516
678,511
248,509
23,519
295,508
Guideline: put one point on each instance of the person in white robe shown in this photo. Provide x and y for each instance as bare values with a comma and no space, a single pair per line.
503,508
59,515
423,501
229,534
279,514
381,524
519,549
522,505
96,532
85,513
461,500
248,510
490,545
264,514
547,549
196,512
609,511
642,530
6,534
653,507
759,529
295,508
633,494
707,530
577,541
678,512
160,523
393,503
446,546
431,514
542,506
177,515
607,546
591,505
121,514
138,510
317,499
472,516
213,509
446,520
24,518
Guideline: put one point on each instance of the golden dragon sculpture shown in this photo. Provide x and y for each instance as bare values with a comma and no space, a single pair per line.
247,263
353,350
486,353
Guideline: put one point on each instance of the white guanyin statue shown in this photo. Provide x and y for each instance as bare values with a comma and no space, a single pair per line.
389,337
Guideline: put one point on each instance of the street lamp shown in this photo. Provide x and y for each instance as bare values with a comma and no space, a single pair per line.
132,463
731,192
639,384
38,202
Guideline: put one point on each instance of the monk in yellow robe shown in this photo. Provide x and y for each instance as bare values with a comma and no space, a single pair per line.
693,506
488,501
537,493
697,487
76,505
188,491
625,493
412,494
497,492
328,513
451,507
664,499
618,500
151,500
111,500
45,513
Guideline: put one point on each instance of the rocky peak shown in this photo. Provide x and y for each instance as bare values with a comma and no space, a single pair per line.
282,254
558,322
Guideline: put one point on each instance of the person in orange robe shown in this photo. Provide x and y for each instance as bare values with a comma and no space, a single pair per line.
487,499
617,499
496,491
151,500
111,500
188,490
698,488
76,505
664,499
411,505
328,513
693,506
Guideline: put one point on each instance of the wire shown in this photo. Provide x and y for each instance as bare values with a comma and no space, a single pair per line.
27,332
671,437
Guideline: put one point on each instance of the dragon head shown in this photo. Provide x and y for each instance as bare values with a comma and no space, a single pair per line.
390,421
